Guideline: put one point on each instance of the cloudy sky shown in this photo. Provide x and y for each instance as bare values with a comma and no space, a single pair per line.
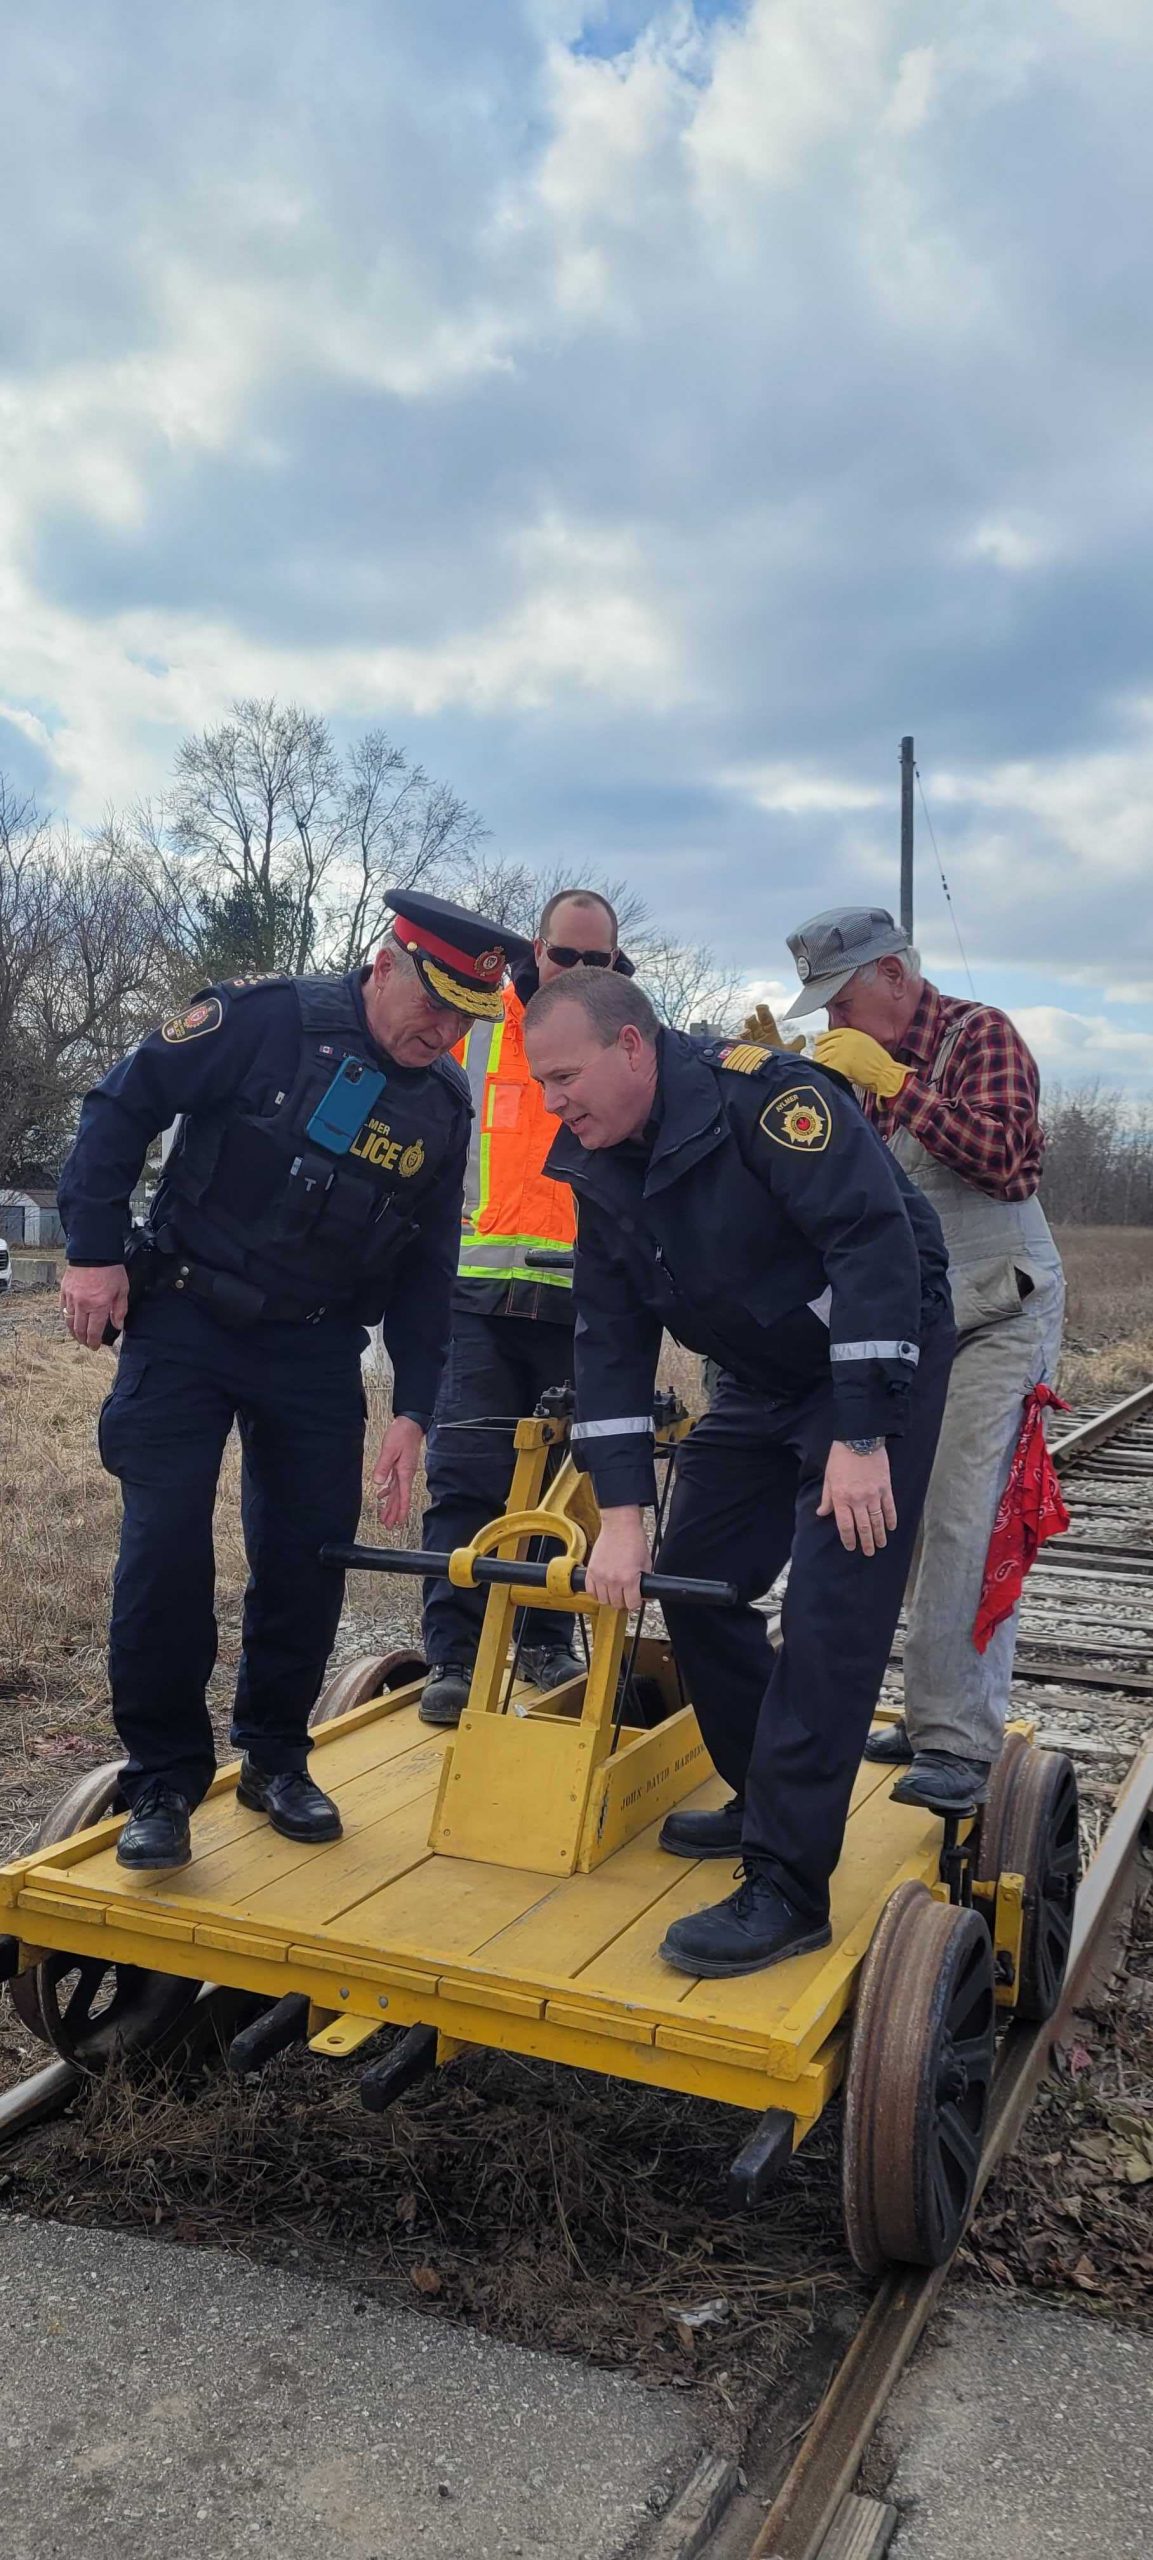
646,412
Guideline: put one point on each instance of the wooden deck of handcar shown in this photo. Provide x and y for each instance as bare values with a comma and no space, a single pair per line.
379,1930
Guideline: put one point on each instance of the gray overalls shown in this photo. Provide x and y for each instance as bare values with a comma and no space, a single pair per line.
1009,1297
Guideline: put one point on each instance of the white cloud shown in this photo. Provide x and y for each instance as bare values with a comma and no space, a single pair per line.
1083,1047
795,794
584,624
648,440
1009,546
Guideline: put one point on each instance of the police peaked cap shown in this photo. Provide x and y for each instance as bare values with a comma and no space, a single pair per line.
460,958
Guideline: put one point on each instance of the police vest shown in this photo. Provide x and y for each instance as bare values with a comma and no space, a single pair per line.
249,1192
510,1203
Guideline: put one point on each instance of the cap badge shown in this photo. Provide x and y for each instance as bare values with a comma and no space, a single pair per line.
804,967
488,964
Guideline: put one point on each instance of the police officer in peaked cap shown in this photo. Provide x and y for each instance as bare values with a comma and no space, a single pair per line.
314,1187
737,1196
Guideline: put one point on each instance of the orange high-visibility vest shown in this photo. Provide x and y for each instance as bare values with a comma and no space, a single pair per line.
509,1204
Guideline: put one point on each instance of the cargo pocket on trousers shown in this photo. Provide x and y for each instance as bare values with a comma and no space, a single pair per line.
990,1293
108,1419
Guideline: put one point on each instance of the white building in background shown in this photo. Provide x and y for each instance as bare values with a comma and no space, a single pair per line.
30,1217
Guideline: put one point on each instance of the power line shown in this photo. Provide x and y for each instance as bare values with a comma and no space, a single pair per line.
945,885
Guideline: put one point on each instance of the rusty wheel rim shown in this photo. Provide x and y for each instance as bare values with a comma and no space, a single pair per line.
371,1675
84,2007
994,1811
917,2088
1041,1840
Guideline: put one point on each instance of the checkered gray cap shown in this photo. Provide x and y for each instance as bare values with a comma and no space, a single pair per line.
831,947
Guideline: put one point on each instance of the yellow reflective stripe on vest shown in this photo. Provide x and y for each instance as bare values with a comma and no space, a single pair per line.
481,1059
502,1258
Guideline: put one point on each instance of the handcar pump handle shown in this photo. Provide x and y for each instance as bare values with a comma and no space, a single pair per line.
534,1577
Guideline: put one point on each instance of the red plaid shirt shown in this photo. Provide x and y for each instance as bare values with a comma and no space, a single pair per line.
982,1119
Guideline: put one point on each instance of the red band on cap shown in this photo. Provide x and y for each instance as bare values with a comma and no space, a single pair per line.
464,962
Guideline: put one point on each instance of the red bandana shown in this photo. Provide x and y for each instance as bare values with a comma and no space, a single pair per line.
1031,1509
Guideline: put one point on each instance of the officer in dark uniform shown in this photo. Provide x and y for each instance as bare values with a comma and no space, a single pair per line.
739,1197
314,1187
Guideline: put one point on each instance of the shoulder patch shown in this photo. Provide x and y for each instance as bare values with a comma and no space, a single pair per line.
800,1118
745,1057
199,1019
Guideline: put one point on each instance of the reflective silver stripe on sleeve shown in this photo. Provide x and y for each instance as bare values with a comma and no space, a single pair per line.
875,1351
610,1430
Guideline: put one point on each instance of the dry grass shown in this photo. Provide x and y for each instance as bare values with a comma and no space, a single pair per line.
1072,2215
60,1515
554,2208
1109,1312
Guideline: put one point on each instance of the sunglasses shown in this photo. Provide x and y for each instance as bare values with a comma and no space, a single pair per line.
563,956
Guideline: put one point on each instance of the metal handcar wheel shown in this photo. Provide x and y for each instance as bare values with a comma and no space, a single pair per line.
372,1675
917,2086
84,2006
1031,1827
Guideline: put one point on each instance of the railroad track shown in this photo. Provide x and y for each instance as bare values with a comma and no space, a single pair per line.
1104,1566
1109,1457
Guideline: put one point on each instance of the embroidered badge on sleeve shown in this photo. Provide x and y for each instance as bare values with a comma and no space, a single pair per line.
206,1016
800,1119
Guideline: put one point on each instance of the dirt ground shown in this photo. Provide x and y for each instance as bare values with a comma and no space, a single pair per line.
547,2207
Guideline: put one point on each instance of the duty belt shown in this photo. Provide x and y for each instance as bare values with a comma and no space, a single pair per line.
231,1300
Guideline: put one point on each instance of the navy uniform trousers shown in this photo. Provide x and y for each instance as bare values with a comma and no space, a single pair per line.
497,1369
295,1393
787,1728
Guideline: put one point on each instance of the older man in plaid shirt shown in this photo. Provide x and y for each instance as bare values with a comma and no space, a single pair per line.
954,1091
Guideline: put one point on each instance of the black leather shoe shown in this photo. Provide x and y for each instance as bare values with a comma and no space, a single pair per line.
445,1693
292,1800
943,1782
156,1832
754,1927
704,1835
549,1665
889,1742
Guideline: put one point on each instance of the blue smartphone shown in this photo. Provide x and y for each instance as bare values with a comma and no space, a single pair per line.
341,1113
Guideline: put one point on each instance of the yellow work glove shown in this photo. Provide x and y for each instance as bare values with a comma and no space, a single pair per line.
761,1025
862,1060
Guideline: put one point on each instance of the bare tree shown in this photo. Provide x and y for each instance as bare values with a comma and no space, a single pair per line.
687,983
398,830
85,968
1098,1166
277,853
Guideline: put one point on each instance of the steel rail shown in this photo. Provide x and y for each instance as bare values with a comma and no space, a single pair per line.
807,2503
46,2093
50,2091
1087,1436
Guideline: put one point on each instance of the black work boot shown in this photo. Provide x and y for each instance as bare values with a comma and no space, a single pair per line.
889,1742
943,1782
754,1927
549,1665
692,1834
295,1805
445,1693
156,1832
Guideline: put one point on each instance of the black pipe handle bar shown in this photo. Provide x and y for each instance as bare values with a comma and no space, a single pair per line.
654,1586
544,1257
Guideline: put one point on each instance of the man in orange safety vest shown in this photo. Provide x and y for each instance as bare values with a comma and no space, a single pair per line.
512,1322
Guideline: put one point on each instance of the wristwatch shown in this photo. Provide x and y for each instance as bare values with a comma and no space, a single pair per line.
865,1448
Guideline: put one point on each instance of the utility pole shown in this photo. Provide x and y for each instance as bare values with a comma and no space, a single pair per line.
907,771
